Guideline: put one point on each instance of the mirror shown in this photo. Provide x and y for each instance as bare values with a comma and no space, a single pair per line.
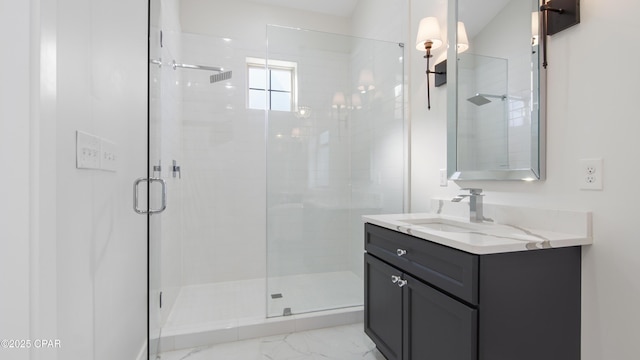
495,95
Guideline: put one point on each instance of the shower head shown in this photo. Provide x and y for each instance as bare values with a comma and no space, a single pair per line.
482,99
225,75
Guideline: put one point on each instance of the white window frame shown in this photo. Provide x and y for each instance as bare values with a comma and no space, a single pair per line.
274,65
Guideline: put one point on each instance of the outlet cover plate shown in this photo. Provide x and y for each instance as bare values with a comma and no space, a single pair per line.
444,180
590,174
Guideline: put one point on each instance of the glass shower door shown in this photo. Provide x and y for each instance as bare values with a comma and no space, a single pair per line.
334,155
154,326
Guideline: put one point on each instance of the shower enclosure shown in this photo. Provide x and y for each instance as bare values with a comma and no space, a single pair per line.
269,158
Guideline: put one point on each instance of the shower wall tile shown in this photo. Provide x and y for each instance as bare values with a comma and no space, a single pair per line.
223,169
309,181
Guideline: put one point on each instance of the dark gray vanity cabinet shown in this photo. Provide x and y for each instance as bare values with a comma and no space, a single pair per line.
425,301
383,299
414,320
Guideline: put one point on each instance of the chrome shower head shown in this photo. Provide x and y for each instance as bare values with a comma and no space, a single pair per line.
225,75
482,99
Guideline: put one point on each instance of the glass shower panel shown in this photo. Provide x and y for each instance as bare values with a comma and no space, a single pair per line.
337,155
482,112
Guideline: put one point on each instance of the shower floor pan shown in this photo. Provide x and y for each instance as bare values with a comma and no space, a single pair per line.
230,311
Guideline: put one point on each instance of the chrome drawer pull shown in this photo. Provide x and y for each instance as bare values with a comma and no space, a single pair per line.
401,252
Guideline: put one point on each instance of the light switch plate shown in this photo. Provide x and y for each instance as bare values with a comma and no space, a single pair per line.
108,155
87,151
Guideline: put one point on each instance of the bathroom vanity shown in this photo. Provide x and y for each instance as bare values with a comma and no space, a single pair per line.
443,289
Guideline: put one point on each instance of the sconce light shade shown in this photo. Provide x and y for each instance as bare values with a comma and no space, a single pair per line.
356,101
365,81
428,30
463,40
535,27
338,101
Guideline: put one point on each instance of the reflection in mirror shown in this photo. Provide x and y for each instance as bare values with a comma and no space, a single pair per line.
495,118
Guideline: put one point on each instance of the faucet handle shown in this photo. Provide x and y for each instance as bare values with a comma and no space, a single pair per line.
473,191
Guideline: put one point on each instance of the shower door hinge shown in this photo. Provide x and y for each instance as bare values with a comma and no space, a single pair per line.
160,301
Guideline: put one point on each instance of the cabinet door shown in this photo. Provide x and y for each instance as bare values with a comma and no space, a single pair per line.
436,326
383,307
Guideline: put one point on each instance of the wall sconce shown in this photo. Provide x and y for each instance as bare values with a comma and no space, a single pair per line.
463,40
428,39
557,15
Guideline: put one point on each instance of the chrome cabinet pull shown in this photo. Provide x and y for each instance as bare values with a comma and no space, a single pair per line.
401,252
136,197
395,278
402,283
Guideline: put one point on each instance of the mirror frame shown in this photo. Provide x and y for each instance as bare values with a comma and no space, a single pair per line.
537,171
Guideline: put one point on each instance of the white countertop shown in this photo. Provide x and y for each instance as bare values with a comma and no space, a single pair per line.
484,238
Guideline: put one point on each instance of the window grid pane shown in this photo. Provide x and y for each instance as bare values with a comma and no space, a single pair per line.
257,99
257,78
280,101
272,89
280,80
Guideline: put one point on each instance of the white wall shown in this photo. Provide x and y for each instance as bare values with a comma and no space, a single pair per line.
15,189
246,21
590,114
101,242
381,20
76,266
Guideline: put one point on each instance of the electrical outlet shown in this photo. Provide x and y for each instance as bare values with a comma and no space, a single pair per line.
444,181
590,174
87,151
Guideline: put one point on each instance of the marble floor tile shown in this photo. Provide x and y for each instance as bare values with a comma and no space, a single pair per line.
336,343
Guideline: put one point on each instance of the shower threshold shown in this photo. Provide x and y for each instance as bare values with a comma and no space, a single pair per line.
225,312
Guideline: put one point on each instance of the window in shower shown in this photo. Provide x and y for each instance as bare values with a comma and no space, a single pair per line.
271,87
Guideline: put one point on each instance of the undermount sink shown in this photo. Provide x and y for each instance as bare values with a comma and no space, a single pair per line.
442,224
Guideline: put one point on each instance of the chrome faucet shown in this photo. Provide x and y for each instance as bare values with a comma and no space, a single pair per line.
475,204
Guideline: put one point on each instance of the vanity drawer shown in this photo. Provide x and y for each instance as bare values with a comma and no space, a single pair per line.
452,271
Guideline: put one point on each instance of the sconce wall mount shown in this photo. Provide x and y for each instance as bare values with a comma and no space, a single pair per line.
558,15
561,15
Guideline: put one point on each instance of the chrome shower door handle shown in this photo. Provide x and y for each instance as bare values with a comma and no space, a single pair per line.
136,197
164,195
